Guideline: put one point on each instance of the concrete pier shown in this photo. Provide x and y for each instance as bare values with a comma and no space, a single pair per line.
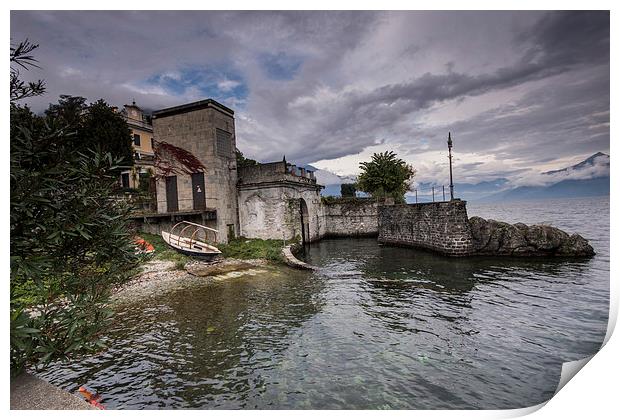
31,393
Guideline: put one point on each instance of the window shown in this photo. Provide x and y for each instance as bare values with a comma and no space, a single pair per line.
152,143
144,181
125,180
224,143
136,139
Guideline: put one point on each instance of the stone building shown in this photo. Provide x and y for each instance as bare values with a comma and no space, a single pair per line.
279,201
197,179
195,166
142,134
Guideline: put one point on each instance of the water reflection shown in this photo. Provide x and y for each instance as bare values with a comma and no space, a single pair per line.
207,346
375,327
492,328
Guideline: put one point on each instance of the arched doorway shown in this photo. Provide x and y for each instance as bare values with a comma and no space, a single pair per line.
305,221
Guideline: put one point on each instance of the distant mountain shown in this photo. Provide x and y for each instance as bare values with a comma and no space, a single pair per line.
594,160
464,191
564,189
482,189
588,178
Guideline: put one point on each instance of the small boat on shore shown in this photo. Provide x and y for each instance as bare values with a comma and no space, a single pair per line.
193,239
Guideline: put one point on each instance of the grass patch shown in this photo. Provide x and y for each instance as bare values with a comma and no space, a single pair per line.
163,251
246,249
240,248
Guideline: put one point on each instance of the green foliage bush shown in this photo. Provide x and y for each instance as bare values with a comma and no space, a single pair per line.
98,127
347,190
70,241
330,199
386,176
242,161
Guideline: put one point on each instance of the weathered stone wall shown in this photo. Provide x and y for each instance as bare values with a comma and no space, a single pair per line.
184,191
350,218
274,172
193,128
441,227
273,211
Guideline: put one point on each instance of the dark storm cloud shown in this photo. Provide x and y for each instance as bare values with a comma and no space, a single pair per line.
565,116
559,43
528,87
565,38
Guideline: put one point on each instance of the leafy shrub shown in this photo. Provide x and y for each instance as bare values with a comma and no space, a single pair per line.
70,242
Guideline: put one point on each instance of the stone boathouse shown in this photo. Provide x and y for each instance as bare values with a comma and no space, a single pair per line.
197,179
195,165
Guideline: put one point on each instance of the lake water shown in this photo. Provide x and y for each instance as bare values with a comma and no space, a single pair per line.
377,327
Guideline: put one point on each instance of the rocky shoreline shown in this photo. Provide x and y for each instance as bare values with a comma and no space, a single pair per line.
160,276
494,238
488,238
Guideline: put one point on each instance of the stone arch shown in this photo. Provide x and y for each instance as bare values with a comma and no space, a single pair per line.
305,221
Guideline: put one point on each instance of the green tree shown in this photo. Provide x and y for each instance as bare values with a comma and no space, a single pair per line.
347,190
21,59
99,127
242,161
69,241
69,110
386,176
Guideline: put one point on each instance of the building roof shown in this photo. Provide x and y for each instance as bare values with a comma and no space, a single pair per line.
193,106
133,105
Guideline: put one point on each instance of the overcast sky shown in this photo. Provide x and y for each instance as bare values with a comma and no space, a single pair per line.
521,92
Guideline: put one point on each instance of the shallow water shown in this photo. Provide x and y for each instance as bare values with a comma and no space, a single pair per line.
375,327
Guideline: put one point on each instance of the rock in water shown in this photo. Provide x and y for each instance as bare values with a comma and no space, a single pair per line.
491,237
205,269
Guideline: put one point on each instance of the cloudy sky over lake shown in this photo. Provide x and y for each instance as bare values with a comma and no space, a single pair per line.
521,92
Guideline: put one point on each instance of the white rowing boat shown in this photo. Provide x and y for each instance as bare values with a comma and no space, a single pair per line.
193,239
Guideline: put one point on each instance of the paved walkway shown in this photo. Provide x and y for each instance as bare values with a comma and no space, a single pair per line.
31,393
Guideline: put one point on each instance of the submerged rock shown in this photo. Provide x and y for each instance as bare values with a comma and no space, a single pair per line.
215,268
491,237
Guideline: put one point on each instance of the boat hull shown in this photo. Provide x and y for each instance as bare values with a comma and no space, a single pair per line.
201,255
194,249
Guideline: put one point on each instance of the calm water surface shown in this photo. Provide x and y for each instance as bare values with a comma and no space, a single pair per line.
375,327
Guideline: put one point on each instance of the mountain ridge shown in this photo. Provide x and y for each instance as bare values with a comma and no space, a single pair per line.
587,178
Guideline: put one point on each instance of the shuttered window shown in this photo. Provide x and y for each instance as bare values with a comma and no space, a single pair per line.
223,142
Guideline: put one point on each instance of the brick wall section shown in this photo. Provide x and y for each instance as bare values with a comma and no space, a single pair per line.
358,218
441,227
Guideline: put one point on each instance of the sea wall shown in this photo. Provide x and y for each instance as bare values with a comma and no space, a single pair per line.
344,218
442,227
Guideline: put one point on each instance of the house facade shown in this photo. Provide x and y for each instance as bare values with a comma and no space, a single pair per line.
137,177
